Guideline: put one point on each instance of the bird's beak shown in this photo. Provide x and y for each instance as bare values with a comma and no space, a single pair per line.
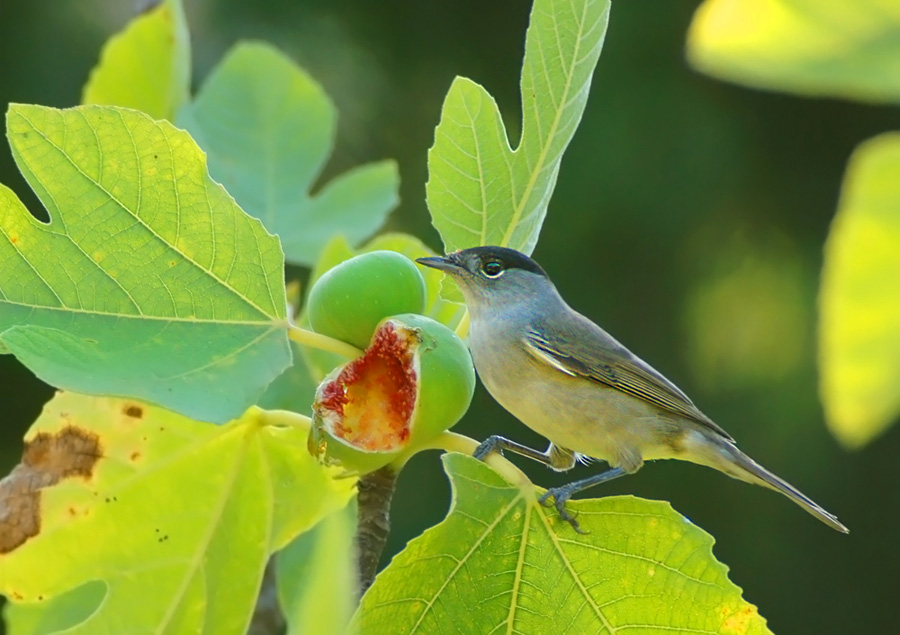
439,262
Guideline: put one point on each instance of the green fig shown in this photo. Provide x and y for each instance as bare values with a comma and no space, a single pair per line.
414,381
349,300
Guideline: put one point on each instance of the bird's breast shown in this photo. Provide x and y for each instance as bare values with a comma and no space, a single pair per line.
571,411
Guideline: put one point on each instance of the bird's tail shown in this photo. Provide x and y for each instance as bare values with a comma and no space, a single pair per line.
740,466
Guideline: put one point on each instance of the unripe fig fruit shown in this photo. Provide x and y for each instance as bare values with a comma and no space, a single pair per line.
414,381
349,300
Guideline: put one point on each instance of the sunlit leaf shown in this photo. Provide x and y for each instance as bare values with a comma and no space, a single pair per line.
52,615
149,281
147,66
316,576
500,562
268,128
859,330
814,47
480,191
174,517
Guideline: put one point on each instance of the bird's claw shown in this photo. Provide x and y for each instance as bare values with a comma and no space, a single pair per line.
560,495
485,448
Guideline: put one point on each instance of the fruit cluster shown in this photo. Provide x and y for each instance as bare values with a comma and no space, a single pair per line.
414,380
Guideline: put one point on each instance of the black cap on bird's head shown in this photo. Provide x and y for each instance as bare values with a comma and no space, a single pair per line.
487,263
494,276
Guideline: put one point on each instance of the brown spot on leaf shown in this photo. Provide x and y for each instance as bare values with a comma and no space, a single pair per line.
133,411
135,455
48,458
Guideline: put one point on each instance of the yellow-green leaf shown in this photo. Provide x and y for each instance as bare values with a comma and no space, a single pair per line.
147,66
316,576
814,47
500,562
175,518
859,330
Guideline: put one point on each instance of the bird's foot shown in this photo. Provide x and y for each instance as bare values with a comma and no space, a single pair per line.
560,496
489,446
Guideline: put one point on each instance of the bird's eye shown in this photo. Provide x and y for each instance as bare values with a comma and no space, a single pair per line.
492,268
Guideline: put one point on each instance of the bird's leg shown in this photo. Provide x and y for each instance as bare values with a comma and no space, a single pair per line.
559,458
562,494
496,443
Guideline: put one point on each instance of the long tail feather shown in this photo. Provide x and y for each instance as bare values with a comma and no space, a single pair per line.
746,469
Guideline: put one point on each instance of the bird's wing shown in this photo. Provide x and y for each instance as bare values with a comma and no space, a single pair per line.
595,355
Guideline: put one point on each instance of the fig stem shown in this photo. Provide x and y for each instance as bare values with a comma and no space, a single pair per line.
285,418
322,342
453,442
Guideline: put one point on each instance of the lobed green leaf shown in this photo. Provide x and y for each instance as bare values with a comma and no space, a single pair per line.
482,192
121,510
268,128
500,562
148,281
316,576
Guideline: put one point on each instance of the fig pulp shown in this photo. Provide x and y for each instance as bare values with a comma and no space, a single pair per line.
373,397
414,381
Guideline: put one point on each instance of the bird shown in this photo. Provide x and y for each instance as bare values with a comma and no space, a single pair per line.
570,381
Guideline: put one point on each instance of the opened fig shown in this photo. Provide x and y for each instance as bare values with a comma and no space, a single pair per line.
414,381
349,300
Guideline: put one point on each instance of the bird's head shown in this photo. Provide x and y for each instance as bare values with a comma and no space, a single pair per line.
493,277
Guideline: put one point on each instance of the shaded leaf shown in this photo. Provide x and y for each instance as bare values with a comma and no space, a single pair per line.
479,190
316,575
149,281
147,66
293,389
268,128
500,562
176,518
812,47
859,330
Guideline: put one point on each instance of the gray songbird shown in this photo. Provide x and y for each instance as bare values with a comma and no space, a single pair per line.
570,381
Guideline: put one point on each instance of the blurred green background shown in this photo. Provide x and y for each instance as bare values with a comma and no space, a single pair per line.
688,220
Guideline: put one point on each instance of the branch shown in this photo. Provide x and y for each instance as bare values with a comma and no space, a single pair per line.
373,521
